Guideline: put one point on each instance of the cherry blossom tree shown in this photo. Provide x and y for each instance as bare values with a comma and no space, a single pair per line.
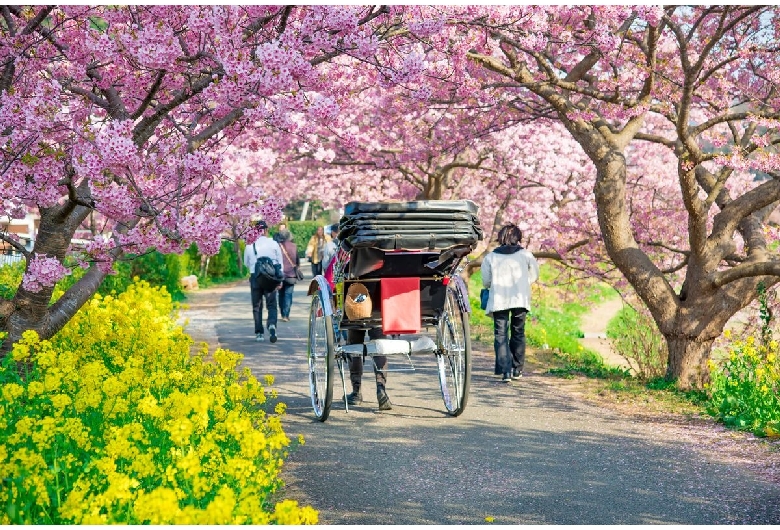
127,112
156,116
387,145
674,107
707,73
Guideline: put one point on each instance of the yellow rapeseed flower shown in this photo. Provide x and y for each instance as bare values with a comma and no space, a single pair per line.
105,465
157,507
120,487
11,391
189,464
149,406
123,357
143,465
288,512
44,434
252,443
52,380
20,352
227,360
113,387
220,510
180,430
60,401
76,431
66,361
35,388
24,425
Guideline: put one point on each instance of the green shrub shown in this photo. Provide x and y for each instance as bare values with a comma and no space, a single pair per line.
301,232
156,268
223,265
635,335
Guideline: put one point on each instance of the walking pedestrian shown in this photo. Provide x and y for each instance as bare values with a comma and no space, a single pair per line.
278,235
508,272
290,262
331,247
263,246
315,250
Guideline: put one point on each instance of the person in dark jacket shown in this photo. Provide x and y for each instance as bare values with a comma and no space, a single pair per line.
290,261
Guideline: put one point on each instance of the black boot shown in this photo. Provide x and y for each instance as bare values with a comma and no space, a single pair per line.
381,397
355,398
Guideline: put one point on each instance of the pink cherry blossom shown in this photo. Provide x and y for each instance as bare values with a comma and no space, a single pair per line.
43,271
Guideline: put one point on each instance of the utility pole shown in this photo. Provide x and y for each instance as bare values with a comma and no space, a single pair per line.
305,210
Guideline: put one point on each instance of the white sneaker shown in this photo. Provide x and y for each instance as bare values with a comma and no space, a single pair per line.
259,337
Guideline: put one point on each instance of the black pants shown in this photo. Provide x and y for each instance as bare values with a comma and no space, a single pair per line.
510,350
258,295
357,336
316,268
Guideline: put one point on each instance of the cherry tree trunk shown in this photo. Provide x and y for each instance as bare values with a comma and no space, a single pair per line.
688,361
31,310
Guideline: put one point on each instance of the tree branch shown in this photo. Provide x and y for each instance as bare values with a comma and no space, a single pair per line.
146,127
149,96
746,270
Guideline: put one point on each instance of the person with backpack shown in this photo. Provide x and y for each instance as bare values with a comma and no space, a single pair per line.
263,258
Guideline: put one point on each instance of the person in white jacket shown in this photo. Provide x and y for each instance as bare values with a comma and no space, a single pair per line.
263,246
508,273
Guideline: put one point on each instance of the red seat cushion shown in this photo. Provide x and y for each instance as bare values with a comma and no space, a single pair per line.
400,305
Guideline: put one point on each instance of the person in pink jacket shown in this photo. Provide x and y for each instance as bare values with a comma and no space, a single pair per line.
508,272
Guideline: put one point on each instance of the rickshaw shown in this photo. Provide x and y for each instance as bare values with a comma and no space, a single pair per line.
396,268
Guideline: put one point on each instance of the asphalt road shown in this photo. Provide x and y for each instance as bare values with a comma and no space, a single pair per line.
525,453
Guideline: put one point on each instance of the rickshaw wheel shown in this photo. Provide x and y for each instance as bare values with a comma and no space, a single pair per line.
320,353
454,357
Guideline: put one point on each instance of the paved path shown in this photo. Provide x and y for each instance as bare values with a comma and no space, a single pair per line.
525,453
